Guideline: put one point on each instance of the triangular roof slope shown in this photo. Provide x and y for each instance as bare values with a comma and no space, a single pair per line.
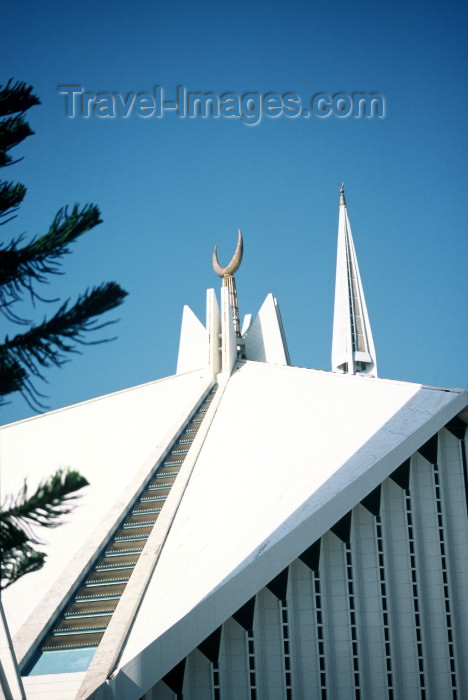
112,441
378,602
286,456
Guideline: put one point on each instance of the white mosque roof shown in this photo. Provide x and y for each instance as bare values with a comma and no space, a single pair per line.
289,452
282,454
112,441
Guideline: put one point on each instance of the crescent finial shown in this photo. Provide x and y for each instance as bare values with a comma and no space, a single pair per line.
236,258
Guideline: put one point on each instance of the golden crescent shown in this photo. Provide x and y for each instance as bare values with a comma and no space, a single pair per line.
235,262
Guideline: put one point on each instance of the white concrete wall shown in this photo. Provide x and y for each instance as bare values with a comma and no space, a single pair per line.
369,600
372,579
56,687
193,344
457,541
268,646
303,457
233,661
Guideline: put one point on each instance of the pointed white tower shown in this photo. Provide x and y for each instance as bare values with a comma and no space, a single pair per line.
353,347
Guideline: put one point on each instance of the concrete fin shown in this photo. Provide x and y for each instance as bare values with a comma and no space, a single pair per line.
247,322
265,340
213,324
229,340
193,344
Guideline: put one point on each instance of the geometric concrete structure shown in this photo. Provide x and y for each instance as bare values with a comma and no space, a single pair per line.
251,530
193,343
353,347
265,339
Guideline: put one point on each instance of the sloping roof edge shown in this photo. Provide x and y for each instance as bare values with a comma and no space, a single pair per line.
344,490
28,636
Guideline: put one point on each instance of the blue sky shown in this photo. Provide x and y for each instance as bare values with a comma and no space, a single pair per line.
170,188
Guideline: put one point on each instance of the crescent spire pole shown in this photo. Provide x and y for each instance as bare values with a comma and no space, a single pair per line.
227,275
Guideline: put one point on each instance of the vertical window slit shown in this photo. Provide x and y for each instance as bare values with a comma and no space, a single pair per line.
320,636
216,681
286,649
352,621
251,665
385,607
445,584
417,615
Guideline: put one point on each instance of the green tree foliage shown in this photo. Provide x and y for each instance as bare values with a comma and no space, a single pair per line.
50,501
26,265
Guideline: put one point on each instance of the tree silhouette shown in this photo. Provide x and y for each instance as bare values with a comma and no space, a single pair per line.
50,501
26,265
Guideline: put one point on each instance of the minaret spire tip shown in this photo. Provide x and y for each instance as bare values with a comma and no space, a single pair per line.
353,348
342,197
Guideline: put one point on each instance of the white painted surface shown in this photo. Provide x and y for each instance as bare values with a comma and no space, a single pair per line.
105,658
193,344
53,687
229,340
344,318
305,456
366,587
213,324
287,454
264,339
112,441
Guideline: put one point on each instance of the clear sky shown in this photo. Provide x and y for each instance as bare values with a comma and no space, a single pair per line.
170,187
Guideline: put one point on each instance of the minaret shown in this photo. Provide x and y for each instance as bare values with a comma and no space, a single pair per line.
232,346
227,275
353,347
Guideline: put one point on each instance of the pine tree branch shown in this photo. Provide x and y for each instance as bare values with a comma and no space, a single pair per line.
12,377
11,196
18,563
20,267
51,500
46,344
13,131
16,97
